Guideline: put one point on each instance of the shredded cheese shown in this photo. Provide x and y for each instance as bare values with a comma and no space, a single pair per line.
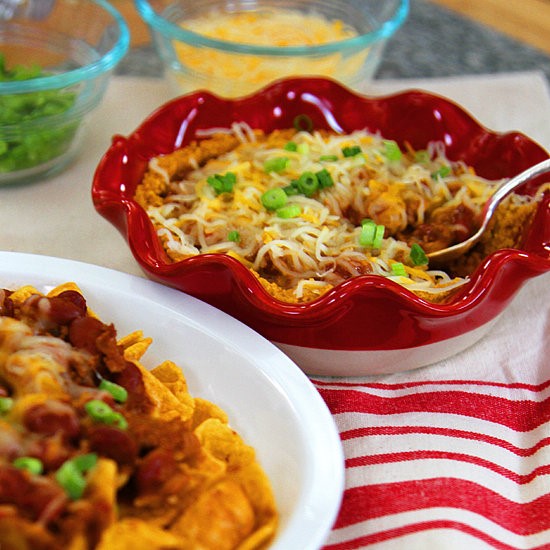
231,74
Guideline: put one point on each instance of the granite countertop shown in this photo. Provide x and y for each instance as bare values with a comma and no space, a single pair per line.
433,42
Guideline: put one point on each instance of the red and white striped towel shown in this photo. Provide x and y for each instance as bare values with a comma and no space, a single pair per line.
456,455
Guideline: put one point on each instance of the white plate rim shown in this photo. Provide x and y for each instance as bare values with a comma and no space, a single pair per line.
319,504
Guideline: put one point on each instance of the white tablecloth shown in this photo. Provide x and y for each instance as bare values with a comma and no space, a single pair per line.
454,455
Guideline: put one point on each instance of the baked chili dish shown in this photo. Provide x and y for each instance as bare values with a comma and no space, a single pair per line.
305,209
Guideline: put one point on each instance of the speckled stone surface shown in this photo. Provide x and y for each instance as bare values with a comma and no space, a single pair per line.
433,42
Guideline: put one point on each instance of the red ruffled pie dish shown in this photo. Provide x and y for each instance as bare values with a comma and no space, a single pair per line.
368,324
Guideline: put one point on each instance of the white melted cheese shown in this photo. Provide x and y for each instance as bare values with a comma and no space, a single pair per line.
320,247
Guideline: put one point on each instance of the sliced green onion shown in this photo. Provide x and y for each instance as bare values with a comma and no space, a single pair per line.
222,183
289,211
99,410
303,148
378,236
39,142
422,156
391,150
368,230
273,199
442,172
71,479
371,234
308,184
418,256
292,189
29,463
398,269
6,403
325,179
290,146
118,392
328,158
102,412
303,123
234,236
119,421
275,164
351,151
18,72
85,462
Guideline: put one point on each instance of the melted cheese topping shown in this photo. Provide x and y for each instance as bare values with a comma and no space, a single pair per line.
299,258
271,28
34,364
231,74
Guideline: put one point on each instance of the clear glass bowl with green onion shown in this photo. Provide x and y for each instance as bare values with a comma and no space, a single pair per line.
56,59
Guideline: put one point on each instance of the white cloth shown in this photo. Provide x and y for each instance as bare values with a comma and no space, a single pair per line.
472,419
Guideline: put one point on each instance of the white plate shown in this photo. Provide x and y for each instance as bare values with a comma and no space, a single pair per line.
269,400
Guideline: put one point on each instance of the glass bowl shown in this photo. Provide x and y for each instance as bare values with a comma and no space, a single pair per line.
232,48
56,58
368,324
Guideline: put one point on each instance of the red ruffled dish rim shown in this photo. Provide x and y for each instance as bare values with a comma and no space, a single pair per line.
363,313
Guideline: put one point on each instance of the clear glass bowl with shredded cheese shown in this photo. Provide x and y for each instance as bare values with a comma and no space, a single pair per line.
234,48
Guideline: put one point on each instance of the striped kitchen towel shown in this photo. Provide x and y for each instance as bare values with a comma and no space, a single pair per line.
456,455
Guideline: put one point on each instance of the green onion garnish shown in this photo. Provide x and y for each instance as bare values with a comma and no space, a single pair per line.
289,211
398,269
273,199
292,189
85,462
441,172
325,179
71,475
379,235
120,422
29,463
222,183
418,256
275,164
391,150
101,412
303,148
422,156
328,158
308,184
368,230
371,234
290,146
72,481
234,236
118,392
303,123
19,72
351,151
6,403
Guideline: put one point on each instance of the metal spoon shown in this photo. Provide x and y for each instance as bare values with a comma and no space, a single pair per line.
452,252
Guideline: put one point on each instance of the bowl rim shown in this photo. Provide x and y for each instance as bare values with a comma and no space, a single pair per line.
107,61
384,31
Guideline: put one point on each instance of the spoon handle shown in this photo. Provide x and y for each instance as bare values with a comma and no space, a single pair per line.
508,186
